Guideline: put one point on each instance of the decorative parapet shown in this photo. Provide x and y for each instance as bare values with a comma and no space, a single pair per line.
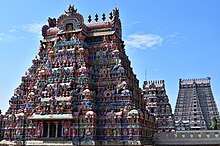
154,84
196,80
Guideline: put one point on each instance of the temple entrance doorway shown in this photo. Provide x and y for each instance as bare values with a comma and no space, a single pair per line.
52,129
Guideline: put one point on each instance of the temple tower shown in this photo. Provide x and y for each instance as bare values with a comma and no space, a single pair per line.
1,125
157,103
195,106
80,87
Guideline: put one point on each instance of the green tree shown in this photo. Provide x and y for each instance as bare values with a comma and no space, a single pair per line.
214,123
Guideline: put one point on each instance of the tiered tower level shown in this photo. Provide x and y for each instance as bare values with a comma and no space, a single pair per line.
157,104
195,106
80,87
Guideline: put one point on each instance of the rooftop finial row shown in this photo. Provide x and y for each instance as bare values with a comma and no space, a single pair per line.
114,14
97,17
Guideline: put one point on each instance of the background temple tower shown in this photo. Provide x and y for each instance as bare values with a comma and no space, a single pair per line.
1,124
157,103
195,106
80,87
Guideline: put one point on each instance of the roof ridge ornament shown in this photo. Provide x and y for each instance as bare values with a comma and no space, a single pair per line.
71,18
71,10
116,13
51,22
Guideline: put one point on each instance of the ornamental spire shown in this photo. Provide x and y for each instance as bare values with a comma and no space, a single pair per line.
71,10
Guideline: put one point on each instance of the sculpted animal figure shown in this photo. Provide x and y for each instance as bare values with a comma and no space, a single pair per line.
120,86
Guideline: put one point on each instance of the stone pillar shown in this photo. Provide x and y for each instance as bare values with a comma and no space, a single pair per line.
48,129
42,129
62,123
56,132
69,132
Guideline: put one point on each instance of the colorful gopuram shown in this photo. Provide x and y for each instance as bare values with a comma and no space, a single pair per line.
1,119
157,104
195,106
80,87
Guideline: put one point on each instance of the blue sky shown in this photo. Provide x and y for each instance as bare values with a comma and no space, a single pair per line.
168,39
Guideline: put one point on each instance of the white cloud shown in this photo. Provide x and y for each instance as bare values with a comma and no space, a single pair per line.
133,23
13,30
174,38
7,37
34,28
143,41
172,35
16,33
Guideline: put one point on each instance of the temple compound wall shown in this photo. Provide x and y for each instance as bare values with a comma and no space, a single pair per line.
80,87
188,138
